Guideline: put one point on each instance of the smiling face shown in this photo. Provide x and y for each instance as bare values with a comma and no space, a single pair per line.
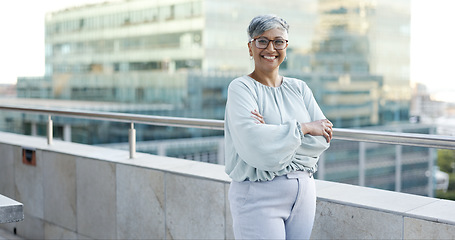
268,59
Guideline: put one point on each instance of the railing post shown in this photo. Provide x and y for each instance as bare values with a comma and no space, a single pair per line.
321,167
362,152
432,155
398,167
132,140
49,130
161,151
67,133
220,155
34,131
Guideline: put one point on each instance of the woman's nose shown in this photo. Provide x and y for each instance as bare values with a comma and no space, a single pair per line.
270,46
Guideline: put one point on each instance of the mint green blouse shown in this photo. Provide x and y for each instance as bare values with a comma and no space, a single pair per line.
260,152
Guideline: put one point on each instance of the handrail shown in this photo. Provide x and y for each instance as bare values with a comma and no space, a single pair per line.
408,139
397,138
124,117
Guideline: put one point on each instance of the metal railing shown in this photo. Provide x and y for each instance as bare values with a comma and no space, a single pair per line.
408,139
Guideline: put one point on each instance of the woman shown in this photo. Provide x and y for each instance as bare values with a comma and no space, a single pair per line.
274,135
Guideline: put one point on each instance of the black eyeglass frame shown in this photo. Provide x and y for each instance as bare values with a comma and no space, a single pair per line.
268,42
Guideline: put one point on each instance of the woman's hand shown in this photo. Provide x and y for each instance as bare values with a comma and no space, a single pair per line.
321,127
258,117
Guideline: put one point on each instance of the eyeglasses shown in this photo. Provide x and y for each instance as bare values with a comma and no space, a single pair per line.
278,44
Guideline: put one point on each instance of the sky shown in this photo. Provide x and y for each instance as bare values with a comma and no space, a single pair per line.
433,46
22,37
432,41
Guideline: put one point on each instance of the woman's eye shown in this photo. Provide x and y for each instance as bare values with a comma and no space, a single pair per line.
262,41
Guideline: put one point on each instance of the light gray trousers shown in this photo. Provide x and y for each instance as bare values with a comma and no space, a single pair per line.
283,208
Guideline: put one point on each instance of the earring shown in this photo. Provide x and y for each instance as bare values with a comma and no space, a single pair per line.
251,57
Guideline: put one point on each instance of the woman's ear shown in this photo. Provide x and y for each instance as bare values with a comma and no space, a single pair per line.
249,49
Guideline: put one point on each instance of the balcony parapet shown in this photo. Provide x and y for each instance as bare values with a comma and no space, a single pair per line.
82,191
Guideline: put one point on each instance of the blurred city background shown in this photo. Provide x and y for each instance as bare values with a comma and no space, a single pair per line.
176,58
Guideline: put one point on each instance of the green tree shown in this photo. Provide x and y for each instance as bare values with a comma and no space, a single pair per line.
446,160
446,163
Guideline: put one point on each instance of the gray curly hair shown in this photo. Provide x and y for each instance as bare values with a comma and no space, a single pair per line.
262,23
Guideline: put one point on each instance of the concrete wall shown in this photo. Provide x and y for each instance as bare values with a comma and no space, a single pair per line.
81,191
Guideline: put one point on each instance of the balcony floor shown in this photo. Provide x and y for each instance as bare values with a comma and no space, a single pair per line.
4,235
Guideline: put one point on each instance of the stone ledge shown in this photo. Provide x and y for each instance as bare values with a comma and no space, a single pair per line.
406,205
10,210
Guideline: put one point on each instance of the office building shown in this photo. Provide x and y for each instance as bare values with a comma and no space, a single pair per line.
147,52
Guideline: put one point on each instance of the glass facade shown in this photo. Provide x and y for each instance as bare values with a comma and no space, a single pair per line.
121,51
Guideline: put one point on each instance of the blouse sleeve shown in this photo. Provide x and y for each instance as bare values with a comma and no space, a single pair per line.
252,140
311,146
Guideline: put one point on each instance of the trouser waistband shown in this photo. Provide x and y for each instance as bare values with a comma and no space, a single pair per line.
299,174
